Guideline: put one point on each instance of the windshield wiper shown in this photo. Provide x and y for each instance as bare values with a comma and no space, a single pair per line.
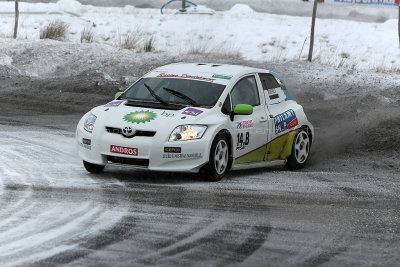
182,96
159,99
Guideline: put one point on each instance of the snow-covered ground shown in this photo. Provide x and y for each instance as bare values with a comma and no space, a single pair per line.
238,31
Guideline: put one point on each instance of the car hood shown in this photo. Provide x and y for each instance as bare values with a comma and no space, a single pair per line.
117,114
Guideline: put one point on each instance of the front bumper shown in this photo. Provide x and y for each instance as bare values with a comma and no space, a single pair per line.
152,153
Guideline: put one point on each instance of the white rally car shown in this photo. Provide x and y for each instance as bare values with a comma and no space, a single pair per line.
206,118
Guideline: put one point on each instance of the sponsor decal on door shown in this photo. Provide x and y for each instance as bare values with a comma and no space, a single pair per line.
284,121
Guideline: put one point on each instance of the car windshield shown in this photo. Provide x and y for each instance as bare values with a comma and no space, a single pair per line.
175,91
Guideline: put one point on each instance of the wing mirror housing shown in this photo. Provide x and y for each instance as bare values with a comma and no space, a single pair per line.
243,109
118,94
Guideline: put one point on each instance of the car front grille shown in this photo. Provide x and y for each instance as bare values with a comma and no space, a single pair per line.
114,130
128,161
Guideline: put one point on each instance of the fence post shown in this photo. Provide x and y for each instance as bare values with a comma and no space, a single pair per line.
310,52
183,6
16,19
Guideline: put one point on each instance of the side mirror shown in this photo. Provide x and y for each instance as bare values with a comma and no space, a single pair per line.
118,94
243,109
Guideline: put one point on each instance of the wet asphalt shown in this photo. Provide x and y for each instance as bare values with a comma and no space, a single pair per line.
342,209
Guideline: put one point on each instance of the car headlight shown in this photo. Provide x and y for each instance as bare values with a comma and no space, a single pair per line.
88,125
187,132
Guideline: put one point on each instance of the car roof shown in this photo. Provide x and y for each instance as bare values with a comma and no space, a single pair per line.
217,68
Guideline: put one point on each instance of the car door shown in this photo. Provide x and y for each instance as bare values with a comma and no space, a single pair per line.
250,131
283,119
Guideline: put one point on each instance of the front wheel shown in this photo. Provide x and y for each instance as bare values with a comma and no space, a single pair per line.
300,150
218,164
93,168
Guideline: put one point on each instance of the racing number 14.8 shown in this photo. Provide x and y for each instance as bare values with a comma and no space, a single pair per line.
241,144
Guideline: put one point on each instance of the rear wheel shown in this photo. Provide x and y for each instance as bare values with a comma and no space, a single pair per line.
300,150
219,163
93,168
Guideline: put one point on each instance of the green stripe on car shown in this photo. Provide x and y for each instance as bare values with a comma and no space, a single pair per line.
222,77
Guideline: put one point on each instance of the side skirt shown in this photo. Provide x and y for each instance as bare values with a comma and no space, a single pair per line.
261,164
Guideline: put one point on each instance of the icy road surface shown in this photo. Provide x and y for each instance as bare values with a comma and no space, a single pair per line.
54,212
343,209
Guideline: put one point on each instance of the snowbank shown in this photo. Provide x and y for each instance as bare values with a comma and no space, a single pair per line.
241,9
71,6
253,35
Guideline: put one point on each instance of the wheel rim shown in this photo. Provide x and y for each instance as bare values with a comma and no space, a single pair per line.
302,147
221,157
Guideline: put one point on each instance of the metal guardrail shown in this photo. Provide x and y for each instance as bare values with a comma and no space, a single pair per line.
370,2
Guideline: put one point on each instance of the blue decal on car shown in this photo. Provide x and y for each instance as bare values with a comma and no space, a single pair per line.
285,121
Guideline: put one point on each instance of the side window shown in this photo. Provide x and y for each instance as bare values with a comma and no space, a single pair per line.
268,81
246,92
272,89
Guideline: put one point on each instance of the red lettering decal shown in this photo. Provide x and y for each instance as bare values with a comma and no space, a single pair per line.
124,150
293,123
184,76
165,75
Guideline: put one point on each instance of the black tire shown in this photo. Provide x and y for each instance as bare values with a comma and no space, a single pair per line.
211,172
300,150
93,168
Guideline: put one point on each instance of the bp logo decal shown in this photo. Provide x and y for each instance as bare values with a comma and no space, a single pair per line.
140,116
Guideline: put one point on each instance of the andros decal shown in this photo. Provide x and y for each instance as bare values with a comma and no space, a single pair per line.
132,151
284,121
244,124
192,112
115,103
140,116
